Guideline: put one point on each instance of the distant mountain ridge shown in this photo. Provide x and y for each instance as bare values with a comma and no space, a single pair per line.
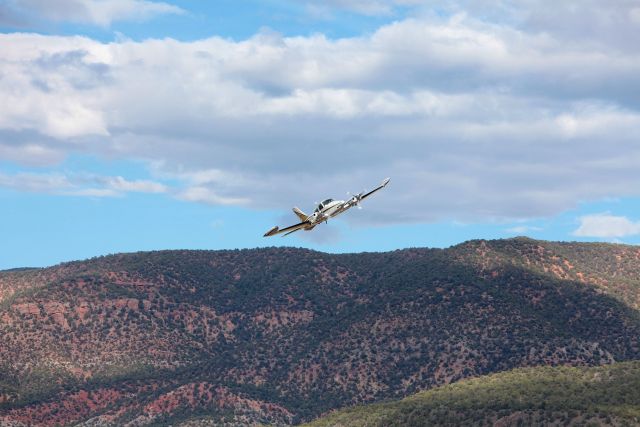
282,335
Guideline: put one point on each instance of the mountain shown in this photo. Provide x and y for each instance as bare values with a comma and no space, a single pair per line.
283,335
604,395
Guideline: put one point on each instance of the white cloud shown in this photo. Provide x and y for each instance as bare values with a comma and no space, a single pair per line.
366,7
207,195
322,8
634,15
96,12
579,23
606,226
118,183
32,154
522,229
91,192
37,183
473,120
78,185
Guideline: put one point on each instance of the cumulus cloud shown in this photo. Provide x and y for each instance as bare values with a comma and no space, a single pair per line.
606,225
29,13
586,23
472,119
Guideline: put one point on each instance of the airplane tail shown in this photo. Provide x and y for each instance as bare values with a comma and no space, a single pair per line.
303,216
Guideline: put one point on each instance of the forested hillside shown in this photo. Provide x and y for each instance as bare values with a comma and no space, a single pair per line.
283,335
597,396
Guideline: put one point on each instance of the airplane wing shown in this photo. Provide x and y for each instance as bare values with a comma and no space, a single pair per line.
288,230
355,200
379,187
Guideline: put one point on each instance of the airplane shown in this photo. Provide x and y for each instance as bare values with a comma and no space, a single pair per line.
325,210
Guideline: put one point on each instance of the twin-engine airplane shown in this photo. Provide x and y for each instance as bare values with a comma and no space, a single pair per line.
325,210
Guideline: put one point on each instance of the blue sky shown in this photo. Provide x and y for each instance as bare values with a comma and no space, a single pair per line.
132,125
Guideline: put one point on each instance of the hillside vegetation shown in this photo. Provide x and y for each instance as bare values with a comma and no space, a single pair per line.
282,335
605,395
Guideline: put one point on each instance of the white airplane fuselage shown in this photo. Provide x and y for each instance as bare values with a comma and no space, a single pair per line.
328,211
323,213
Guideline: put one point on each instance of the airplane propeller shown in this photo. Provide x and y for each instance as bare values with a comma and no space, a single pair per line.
355,199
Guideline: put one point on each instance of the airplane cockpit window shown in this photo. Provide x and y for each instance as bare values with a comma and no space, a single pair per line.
323,204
